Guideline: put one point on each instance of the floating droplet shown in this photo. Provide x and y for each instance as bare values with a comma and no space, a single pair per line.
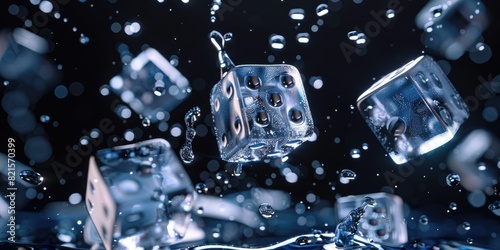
216,233
352,35
303,240
364,146
494,206
84,39
453,206
238,169
470,240
201,188
424,220
228,36
322,9
347,175
266,210
453,179
297,14
355,153
200,210
277,41
303,37
369,201
481,166
480,46
159,88
146,122
390,13
361,39
466,225
44,118
31,177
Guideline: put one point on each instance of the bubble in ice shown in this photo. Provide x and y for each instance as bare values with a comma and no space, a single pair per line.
322,9
361,38
266,210
453,179
352,35
84,39
355,153
390,13
277,41
201,188
453,206
186,151
466,225
303,37
424,220
436,11
31,177
159,88
44,118
297,14
494,206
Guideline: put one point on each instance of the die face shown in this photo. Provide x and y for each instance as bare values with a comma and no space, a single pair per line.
150,84
413,110
382,223
260,111
452,27
148,192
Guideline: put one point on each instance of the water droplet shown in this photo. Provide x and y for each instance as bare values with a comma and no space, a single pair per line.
186,152
369,201
303,37
253,82
6,83
322,9
436,11
466,225
44,118
303,240
216,233
277,41
453,179
424,220
355,153
201,188
390,13
146,122
159,88
361,39
396,126
297,14
295,115
266,210
212,19
84,39
453,206
347,175
470,240
275,99
31,177
480,46
494,206
364,146
352,35
228,36
238,169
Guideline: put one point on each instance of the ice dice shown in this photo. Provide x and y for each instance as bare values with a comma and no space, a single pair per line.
139,196
383,223
259,111
149,84
413,110
452,27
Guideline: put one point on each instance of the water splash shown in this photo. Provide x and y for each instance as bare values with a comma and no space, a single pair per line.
348,226
225,62
186,151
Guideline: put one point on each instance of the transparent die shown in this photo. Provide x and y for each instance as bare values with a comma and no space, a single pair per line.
139,195
259,112
383,223
150,84
452,27
413,110
477,161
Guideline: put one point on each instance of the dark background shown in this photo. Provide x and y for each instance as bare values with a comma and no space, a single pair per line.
181,29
